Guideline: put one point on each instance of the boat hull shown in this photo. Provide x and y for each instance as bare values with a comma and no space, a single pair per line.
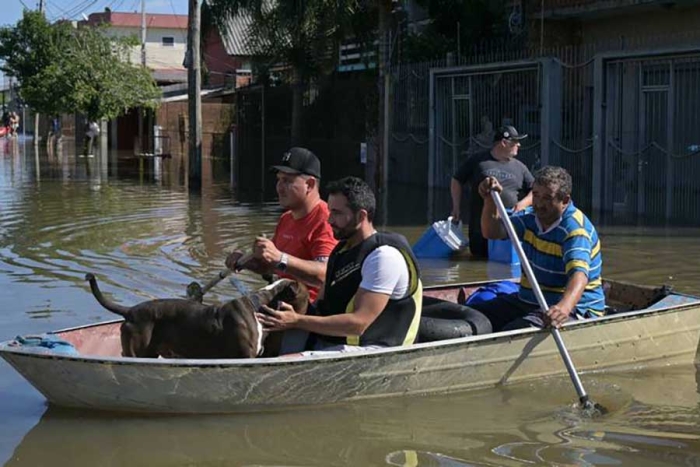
665,336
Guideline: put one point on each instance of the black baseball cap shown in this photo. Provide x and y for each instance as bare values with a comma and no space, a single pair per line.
507,132
299,161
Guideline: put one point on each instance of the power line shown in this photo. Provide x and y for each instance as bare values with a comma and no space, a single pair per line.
66,8
49,9
55,7
80,8
118,5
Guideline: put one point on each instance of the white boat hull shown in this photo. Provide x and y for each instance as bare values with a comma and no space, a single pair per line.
666,336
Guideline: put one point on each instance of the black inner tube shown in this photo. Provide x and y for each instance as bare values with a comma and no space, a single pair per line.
441,320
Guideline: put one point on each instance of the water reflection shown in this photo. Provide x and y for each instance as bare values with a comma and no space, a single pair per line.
146,239
510,426
133,223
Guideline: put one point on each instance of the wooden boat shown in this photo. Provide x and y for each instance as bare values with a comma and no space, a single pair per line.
652,327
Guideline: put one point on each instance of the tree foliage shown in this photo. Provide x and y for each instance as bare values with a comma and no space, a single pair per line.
304,35
28,49
64,70
99,77
298,36
470,22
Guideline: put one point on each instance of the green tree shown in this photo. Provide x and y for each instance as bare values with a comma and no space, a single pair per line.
61,69
29,48
470,22
303,35
98,77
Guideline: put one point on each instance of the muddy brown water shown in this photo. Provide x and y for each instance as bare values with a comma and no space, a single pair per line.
133,223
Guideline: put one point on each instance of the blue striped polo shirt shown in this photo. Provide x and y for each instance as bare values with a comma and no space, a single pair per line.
556,254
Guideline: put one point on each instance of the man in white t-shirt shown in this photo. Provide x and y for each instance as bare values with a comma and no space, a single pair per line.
372,294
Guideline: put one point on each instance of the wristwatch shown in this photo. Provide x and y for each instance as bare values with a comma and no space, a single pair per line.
282,265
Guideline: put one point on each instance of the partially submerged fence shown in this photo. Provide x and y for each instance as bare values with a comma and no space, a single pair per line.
621,117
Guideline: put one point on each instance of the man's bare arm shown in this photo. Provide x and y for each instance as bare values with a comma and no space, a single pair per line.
523,203
560,312
311,272
491,224
368,306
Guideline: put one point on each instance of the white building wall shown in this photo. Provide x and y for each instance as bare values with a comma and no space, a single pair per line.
157,54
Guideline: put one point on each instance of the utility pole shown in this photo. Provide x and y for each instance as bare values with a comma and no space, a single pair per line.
143,33
143,64
36,114
194,85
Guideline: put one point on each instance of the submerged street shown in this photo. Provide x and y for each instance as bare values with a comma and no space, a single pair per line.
133,224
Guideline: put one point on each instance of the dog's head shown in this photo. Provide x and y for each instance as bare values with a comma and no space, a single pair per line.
286,290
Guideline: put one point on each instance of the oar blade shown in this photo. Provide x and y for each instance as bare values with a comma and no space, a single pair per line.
592,409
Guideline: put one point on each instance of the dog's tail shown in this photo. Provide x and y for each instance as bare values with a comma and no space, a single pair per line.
111,306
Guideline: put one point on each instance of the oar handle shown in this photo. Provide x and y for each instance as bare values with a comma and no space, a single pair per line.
246,257
239,285
219,277
503,214
243,259
583,397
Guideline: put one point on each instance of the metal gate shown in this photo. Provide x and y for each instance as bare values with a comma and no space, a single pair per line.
652,139
467,105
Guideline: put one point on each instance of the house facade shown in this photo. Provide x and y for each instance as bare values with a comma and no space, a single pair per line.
227,55
165,45
607,89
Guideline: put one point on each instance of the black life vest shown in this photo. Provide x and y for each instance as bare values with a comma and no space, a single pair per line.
398,323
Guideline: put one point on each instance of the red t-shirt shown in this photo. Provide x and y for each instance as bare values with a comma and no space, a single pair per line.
307,238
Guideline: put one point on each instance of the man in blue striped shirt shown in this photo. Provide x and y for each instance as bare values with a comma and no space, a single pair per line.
563,249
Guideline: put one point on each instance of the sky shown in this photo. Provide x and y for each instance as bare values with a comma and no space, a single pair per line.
74,9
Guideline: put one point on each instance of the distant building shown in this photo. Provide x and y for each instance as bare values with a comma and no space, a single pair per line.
166,41
227,55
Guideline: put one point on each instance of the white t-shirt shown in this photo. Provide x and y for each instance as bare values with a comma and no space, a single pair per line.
385,271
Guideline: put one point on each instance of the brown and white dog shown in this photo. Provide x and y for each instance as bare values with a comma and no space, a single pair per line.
182,328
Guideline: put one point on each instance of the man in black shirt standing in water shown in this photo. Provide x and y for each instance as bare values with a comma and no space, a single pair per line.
501,163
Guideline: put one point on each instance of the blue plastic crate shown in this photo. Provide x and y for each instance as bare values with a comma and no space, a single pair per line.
502,251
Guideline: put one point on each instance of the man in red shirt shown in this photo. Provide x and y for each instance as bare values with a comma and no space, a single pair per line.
303,238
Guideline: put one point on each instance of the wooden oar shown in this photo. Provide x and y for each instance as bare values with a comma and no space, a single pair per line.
587,404
196,291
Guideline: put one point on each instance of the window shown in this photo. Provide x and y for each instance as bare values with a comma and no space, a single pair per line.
168,41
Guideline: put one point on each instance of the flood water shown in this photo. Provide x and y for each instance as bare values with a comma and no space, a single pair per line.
133,223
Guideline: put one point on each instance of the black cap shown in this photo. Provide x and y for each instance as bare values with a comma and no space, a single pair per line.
507,132
299,161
